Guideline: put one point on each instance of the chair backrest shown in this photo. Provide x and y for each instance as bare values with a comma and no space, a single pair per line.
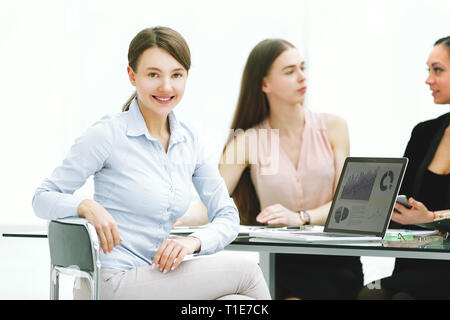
71,245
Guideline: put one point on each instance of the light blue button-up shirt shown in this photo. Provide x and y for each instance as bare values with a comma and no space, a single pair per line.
144,188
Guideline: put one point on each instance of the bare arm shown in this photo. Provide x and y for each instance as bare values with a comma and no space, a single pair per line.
339,139
418,213
196,215
234,160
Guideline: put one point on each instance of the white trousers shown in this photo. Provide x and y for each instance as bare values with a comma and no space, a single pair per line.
201,278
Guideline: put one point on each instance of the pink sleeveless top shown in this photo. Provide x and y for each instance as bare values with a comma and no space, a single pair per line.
274,176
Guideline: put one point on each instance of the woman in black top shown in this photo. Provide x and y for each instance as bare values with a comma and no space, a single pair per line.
427,184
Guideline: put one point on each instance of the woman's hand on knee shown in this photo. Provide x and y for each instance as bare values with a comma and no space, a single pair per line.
173,250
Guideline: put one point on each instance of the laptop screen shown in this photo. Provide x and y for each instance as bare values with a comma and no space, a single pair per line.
365,195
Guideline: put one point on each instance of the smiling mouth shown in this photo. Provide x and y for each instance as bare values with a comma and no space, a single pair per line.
163,100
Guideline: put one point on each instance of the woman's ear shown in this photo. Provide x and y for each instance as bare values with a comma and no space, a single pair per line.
131,76
265,86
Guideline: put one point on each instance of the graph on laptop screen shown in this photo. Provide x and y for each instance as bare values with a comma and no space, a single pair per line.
364,196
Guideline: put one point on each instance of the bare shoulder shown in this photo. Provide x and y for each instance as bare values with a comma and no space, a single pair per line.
335,122
337,131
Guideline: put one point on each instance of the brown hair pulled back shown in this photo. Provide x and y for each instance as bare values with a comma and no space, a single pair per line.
161,37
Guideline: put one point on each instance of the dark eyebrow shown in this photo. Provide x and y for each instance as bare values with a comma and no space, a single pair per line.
157,69
294,65
433,63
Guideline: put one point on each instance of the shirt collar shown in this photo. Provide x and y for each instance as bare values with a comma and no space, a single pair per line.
137,127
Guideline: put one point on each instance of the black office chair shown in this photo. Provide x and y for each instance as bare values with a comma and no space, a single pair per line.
74,250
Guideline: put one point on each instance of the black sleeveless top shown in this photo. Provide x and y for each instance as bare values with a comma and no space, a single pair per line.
433,191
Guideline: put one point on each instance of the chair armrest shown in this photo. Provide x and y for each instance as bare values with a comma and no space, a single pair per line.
77,245
72,220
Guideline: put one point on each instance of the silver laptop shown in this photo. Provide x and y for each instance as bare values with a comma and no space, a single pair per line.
362,204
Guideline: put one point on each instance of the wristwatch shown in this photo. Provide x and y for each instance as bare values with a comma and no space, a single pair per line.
304,216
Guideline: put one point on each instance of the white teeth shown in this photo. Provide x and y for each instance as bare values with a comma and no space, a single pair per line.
163,99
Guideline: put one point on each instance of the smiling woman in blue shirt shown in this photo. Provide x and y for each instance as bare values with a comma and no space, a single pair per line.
143,161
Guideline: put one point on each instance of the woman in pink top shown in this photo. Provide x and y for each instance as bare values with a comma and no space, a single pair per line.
282,165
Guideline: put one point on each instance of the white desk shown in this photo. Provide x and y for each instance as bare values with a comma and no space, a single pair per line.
432,247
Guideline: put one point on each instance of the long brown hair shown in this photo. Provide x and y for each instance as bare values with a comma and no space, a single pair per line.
161,37
252,108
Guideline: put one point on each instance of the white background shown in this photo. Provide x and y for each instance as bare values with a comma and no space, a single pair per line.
63,66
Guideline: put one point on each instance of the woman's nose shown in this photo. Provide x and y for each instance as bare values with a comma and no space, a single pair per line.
430,79
165,85
301,76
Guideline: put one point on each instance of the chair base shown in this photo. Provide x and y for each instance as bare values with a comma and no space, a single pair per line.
93,279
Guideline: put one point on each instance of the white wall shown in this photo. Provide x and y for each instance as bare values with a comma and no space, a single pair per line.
63,66
368,65
64,63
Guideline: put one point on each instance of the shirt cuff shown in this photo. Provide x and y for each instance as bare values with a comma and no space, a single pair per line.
66,206
208,241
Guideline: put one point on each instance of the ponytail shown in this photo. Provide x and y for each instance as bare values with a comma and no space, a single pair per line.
127,104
